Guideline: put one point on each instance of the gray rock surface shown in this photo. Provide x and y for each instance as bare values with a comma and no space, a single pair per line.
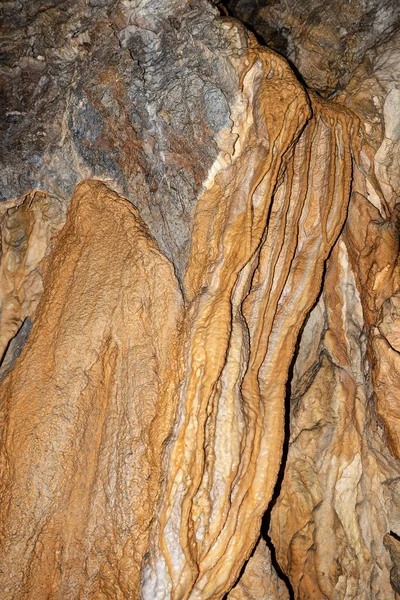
130,92
14,348
325,41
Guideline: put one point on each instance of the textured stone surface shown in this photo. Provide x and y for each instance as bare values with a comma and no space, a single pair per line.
143,424
342,467
259,580
245,298
133,93
87,408
326,41
14,347
27,229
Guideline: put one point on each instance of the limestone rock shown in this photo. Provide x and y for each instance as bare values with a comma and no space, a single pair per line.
342,462
330,540
257,256
87,409
27,229
134,93
326,41
14,347
259,580
253,266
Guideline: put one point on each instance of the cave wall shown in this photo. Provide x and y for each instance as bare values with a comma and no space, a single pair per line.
208,329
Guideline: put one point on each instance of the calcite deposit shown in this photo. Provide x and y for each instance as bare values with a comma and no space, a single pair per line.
344,447
200,306
27,228
87,408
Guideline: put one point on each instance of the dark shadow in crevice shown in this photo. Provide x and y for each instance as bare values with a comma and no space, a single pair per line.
394,535
276,42
14,348
266,521
225,597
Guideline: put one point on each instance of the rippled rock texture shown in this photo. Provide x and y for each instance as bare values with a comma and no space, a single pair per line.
206,327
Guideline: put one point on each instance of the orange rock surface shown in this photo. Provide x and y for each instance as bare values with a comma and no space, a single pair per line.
87,409
339,539
261,235
143,425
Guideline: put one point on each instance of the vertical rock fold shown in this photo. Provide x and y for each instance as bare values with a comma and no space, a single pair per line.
142,411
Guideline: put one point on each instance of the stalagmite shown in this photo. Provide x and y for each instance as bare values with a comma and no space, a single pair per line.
87,409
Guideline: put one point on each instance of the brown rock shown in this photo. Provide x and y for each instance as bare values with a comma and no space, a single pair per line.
134,94
341,465
332,513
259,580
261,235
27,228
87,409
326,41
143,424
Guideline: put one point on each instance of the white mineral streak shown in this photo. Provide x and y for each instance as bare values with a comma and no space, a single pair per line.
231,139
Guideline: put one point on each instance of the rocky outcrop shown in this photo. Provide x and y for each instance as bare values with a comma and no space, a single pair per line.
132,93
248,283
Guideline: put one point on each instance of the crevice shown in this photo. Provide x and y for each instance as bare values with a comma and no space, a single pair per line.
242,570
394,535
266,520
14,348
278,43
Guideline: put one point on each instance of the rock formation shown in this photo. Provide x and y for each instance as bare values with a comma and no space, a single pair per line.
345,391
87,409
325,41
211,332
